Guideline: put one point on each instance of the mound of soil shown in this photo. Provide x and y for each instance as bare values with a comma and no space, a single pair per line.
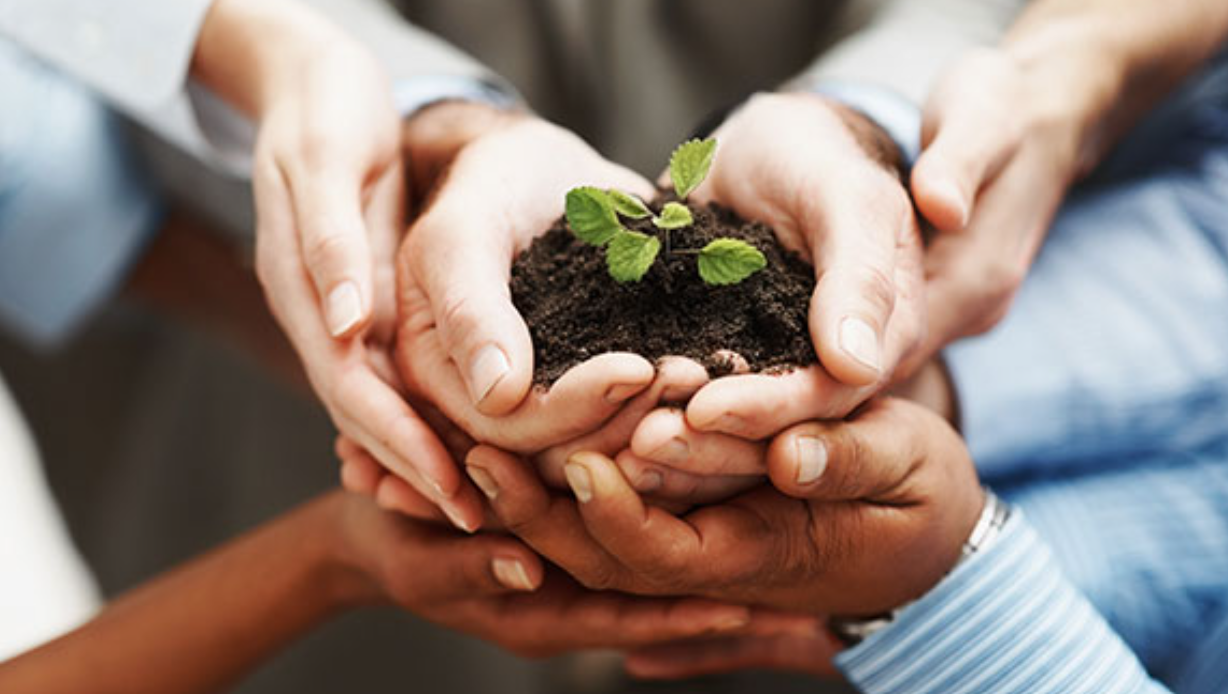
575,310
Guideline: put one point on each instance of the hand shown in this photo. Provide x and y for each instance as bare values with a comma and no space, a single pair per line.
461,342
870,515
1001,145
808,649
820,176
330,203
493,587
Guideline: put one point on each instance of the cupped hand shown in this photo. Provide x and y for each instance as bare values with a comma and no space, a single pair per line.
462,343
1000,147
866,516
330,204
495,588
822,177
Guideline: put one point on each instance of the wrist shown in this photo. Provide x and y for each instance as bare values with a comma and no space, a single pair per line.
249,50
339,568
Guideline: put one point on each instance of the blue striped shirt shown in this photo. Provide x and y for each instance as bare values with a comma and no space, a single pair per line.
1100,407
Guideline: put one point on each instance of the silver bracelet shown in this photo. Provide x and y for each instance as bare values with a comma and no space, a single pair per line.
988,526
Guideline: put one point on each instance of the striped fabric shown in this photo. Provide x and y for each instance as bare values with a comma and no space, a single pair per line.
1005,621
1100,408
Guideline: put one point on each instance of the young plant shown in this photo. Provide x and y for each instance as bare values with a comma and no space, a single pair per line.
593,216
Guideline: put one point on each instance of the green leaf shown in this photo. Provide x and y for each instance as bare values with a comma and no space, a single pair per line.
689,164
630,254
729,261
590,214
628,205
673,216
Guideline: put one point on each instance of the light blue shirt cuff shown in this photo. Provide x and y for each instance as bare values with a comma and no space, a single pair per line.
1005,621
895,114
413,95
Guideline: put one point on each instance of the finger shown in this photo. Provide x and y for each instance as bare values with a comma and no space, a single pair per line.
550,525
465,276
681,489
856,292
968,142
579,402
363,406
663,437
677,380
563,617
395,494
360,473
864,458
473,567
663,553
695,658
756,406
336,252
404,443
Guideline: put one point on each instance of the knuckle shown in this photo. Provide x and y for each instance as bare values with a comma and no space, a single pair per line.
597,576
327,251
876,289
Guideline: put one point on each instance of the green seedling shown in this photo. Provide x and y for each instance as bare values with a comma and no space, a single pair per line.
594,216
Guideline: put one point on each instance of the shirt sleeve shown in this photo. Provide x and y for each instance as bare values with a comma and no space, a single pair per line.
907,43
1005,621
75,208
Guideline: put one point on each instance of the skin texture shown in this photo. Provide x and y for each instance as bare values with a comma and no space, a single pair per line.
200,627
880,525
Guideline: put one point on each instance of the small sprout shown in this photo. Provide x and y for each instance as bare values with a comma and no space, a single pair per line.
628,205
729,261
630,254
590,214
593,215
674,216
689,165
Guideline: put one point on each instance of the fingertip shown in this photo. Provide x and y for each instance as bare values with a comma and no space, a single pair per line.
656,432
854,354
797,460
517,570
497,381
940,198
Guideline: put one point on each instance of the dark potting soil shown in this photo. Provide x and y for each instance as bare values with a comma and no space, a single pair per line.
576,311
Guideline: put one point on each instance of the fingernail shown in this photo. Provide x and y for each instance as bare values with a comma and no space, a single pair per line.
580,481
487,369
675,451
649,481
619,393
811,459
859,341
344,308
730,623
484,481
457,519
511,574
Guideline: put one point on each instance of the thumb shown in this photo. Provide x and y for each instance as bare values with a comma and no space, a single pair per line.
864,458
465,276
966,152
336,251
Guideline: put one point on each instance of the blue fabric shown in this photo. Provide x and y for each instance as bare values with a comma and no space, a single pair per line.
1006,621
1100,408
75,210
